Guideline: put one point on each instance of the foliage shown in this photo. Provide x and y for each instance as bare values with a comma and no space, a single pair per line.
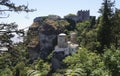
71,26
116,29
7,30
33,73
71,14
14,60
81,29
6,72
76,72
87,35
104,33
39,67
57,24
112,61
90,40
90,63
10,6
82,26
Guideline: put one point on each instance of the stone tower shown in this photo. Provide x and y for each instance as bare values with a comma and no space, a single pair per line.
73,38
83,15
62,40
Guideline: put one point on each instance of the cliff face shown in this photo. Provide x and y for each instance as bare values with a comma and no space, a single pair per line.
42,35
47,40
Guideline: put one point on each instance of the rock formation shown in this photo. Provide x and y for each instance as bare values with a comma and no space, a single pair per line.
45,36
42,35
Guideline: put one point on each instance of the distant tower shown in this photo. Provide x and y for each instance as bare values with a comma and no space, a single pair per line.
86,15
83,15
73,38
62,40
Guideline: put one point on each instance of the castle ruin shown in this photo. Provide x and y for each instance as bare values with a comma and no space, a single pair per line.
81,15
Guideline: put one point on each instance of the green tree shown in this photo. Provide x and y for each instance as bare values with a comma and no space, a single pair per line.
6,72
10,6
104,33
7,30
14,55
88,64
38,68
111,58
82,28
116,29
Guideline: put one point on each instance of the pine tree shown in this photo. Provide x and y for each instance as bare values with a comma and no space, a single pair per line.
116,29
7,30
104,33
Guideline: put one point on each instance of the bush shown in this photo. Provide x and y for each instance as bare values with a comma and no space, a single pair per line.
91,63
112,61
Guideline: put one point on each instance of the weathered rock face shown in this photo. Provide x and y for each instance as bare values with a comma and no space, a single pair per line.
46,30
48,39
46,42
42,38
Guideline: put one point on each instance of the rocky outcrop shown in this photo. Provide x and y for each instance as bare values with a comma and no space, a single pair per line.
42,38
42,35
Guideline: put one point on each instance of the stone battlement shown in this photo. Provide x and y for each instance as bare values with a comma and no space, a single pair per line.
81,15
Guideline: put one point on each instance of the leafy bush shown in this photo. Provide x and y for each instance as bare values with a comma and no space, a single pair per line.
112,61
91,63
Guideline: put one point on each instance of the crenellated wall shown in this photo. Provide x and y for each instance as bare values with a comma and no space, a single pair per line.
81,15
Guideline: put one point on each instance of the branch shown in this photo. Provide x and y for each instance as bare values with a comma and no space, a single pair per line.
13,7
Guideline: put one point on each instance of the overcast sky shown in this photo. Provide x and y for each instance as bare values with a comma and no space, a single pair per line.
57,7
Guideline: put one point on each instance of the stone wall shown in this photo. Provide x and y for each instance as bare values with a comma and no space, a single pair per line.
80,16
